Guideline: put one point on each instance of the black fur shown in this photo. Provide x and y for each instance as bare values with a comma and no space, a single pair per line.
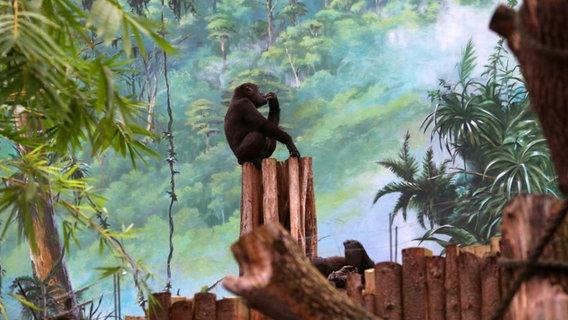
355,256
251,136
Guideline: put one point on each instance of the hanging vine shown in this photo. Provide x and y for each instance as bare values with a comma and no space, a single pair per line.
171,159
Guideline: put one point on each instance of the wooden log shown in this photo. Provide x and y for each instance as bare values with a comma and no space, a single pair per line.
297,229
161,309
182,310
251,203
525,221
205,306
452,283
269,191
370,281
283,195
280,281
388,290
134,318
490,286
309,206
354,288
435,283
415,295
232,308
495,244
369,302
470,286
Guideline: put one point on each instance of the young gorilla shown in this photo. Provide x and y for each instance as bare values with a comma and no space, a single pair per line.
251,136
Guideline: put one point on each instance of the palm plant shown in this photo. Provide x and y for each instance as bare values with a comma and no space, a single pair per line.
431,192
487,123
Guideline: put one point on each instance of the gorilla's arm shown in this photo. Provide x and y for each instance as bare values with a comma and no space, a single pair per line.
274,113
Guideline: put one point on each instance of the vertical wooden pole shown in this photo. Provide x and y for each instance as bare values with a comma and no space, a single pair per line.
309,206
490,286
283,195
162,309
370,280
354,287
232,308
269,191
296,220
369,302
388,290
251,202
435,284
182,310
470,286
452,283
205,306
495,244
415,297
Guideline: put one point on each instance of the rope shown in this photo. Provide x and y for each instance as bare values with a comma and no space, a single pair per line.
531,264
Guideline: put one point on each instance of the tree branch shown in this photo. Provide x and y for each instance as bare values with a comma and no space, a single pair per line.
281,283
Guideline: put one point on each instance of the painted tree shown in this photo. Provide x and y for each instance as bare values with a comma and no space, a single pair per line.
221,27
204,117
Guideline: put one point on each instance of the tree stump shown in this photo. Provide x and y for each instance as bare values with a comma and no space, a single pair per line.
282,191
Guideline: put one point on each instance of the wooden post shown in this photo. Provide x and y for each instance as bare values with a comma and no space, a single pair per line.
296,220
205,306
369,302
525,221
435,284
309,206
232,308
415,297
354,288
370,281
182,310
470,286
490,286
269,191
452,284
161,310
388,290
251,203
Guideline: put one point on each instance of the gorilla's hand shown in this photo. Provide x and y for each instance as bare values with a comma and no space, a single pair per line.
272,100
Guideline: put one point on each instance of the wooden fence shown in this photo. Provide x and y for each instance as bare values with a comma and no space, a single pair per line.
464,284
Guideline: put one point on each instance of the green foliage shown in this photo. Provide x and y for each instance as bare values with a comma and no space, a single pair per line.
485,123
431,192
53,102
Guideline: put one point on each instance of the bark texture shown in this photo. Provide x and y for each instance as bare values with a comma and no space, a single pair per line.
544,295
